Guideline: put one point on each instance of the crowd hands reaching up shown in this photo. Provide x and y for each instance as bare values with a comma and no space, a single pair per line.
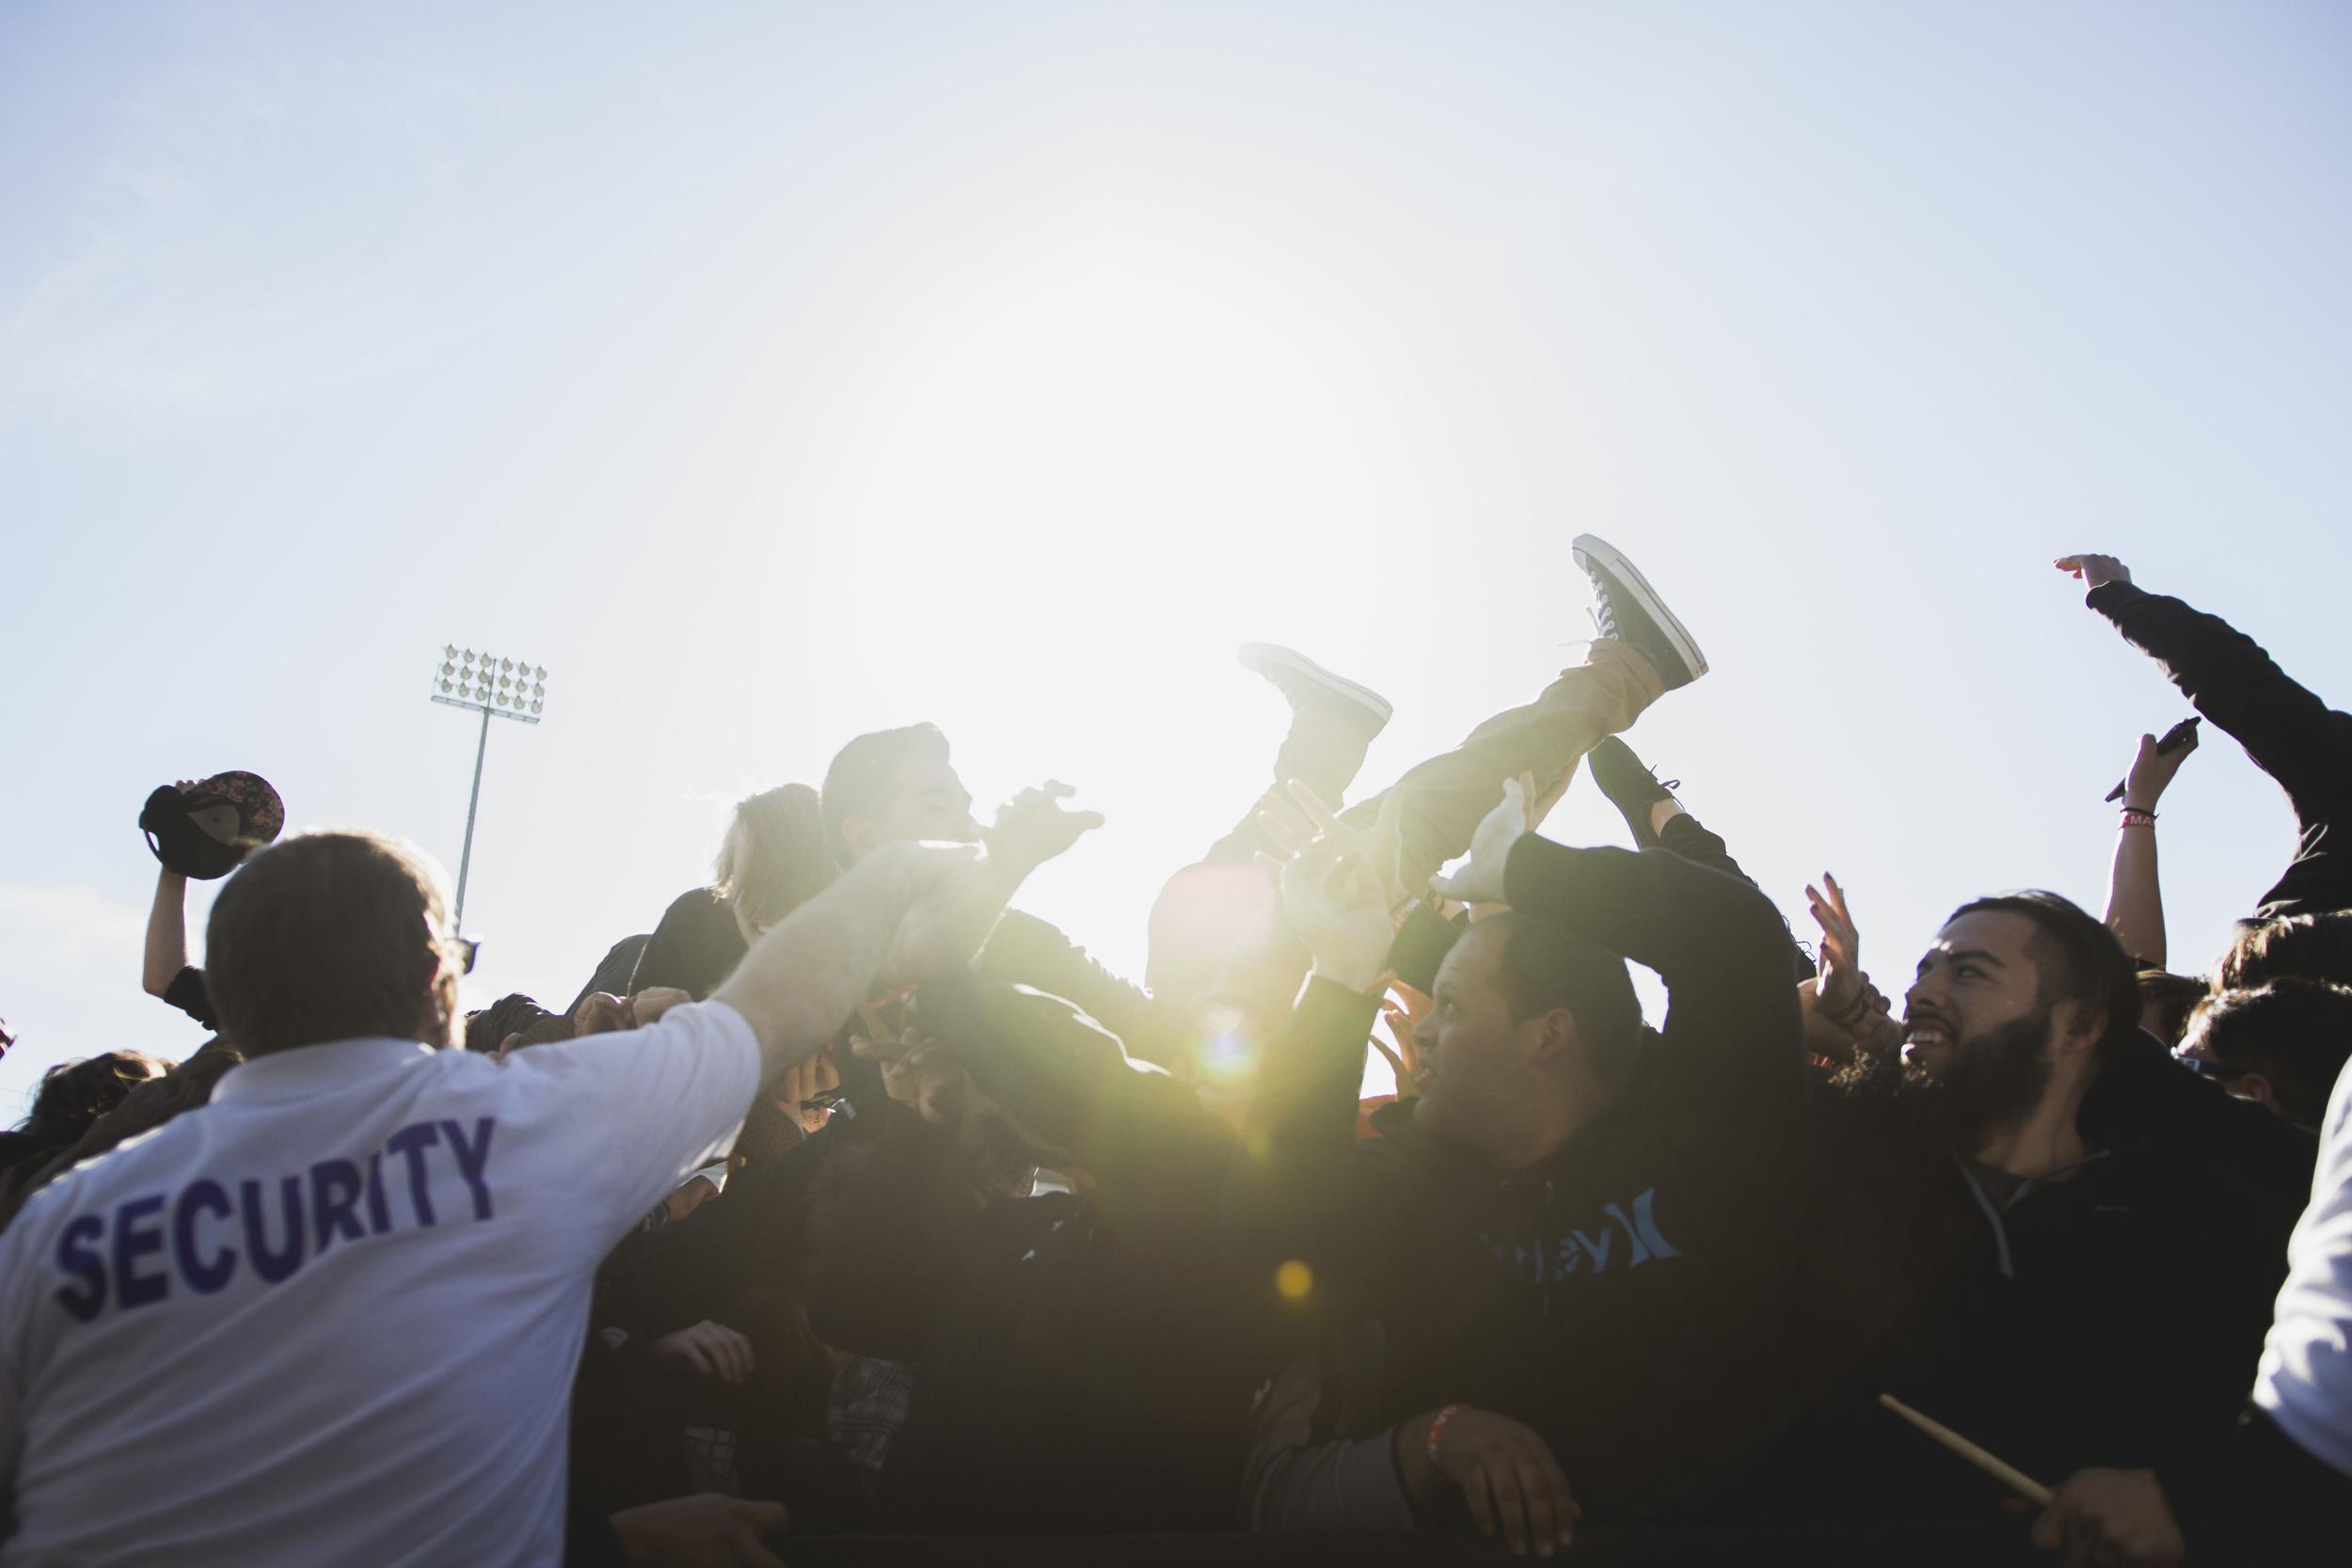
851,1200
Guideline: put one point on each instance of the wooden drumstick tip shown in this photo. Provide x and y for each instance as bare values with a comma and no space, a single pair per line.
1999,1469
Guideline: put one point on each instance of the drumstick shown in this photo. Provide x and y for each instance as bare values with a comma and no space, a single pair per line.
2008,1475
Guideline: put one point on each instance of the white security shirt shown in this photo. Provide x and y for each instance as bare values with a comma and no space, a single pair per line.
2305,1381
333,1315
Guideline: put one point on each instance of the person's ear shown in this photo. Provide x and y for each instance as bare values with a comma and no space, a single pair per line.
1550,1035
2255,1086
2076,1028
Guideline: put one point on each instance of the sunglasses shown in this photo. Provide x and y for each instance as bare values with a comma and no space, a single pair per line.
2205,1067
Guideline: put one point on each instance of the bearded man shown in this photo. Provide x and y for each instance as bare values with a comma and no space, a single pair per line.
2041,1232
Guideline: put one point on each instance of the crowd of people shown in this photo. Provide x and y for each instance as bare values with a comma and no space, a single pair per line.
850,1201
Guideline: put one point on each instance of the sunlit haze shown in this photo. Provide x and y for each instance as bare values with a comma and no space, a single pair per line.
776,373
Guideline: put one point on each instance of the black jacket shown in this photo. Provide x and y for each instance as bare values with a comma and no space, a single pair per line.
1633,1297
2109,1316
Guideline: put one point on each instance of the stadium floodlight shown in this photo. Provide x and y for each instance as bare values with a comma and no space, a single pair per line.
496,687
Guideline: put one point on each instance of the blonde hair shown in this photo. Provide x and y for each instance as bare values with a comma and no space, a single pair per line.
773,859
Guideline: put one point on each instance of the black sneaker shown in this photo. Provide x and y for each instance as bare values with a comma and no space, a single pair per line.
1630,610
1633,788
1308,684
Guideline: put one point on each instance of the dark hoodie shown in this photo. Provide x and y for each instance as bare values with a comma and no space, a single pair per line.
1633,1297
2109,1315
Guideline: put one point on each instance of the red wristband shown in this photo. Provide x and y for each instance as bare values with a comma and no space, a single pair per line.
1437,1428
2135,817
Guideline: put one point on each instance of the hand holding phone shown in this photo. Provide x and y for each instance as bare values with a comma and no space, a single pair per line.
2179,734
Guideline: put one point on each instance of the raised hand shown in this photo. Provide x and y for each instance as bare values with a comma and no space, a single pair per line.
1291,828
1479,880
1845,995
2152,769
2096,571
1334,905
711,1348
1403,1009
1032,828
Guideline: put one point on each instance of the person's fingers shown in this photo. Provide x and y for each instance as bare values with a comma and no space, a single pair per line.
2049,1530
1565,1507
1313,805
1396,1063
1475,1491
1056,789
1510,1504
602,1013
761,1515
1339,878
1286,824
883,1049
2072,565
1543,1525
697,1354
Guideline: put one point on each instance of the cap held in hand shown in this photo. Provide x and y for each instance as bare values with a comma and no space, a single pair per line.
206,829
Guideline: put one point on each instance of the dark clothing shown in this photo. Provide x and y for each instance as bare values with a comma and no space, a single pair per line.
1634,1297
616,972
1082,1362
2108,1314
188,994
694,946
1421,946
1094,1358
1685,835
2290,734
2259,1498
1026,950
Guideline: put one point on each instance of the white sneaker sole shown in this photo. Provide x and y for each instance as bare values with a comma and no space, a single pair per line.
1259,657
1593,547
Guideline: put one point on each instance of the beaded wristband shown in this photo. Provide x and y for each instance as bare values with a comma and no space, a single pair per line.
1437,1428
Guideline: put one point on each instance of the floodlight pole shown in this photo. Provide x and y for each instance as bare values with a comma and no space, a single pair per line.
465,857
494,688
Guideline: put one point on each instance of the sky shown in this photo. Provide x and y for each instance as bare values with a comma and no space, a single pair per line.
772,374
